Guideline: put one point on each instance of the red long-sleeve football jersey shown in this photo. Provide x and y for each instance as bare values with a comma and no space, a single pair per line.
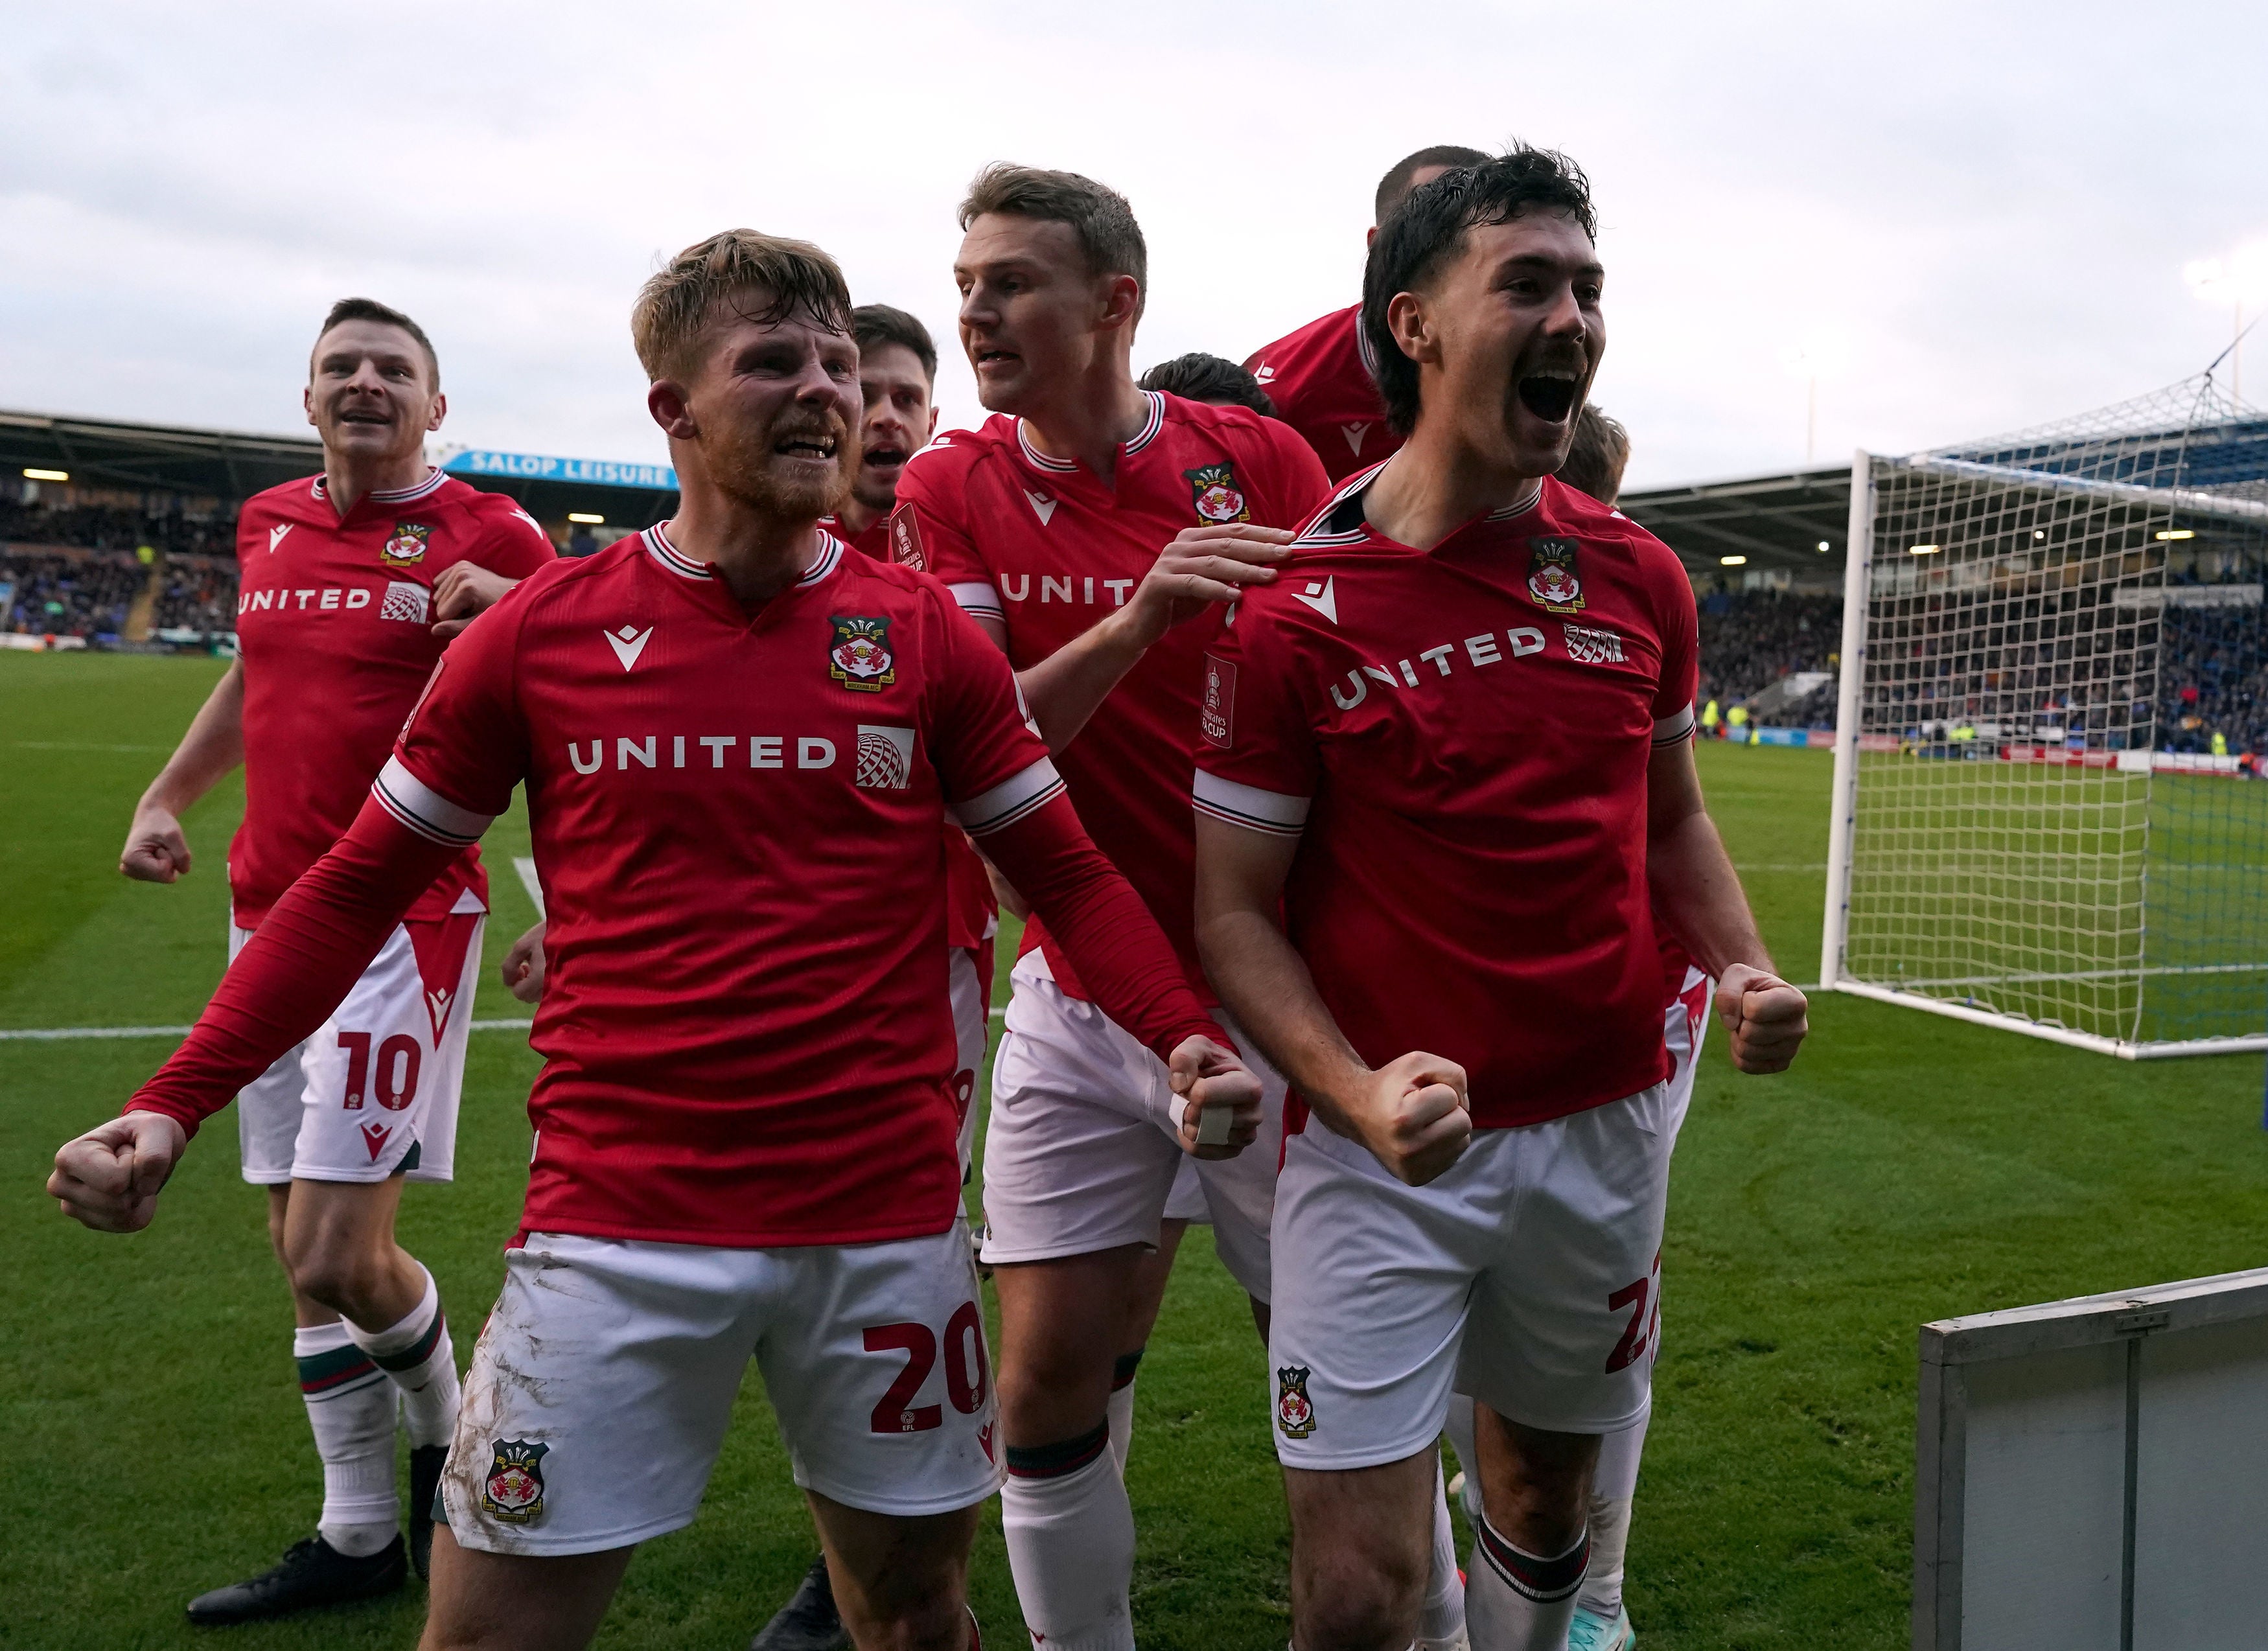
1459,738
736,813
1320,380
1043,546
334,624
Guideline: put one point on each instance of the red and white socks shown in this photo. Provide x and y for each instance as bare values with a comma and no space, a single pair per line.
416,1353
1518,1601
1613,1487
351,1408
1071,1543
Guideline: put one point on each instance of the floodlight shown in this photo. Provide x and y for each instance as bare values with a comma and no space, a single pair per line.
1823,544
588,518
2176,533
1731,562
1924,549
31,474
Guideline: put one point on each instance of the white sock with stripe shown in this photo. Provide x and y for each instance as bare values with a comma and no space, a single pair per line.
1070,1531
1518,1601
351,1408
417,1354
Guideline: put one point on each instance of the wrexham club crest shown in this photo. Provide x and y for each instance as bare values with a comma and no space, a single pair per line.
860,656
514,1490
407,547
1293,1413
1551,577
1216,495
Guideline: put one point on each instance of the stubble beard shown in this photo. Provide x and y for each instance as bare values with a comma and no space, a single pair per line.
742,465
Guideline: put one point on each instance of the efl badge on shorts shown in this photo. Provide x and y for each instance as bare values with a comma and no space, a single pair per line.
1551,575
514,1490
859,658
1293,1413
905,539
1217,497
407,548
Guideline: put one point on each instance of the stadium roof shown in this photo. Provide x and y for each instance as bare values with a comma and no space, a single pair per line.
1794,521
104,453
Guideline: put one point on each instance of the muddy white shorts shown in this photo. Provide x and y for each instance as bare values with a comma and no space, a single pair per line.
971,1029
1524,1276
1084,1146
600,1390
374,1092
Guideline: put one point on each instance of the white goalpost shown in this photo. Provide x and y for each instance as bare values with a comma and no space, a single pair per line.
2046,813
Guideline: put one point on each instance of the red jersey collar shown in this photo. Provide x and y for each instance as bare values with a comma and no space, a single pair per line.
659,546
390,494
1332,525
1142,438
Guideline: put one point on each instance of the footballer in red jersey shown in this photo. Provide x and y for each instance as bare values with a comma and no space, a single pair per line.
1323,377
739,741
1093,528
338,580
1444,766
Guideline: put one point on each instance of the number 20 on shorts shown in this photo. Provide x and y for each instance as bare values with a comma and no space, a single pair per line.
967,1376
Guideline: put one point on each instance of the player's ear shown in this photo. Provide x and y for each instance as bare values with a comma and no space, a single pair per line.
441,412
671,408
1411,327
1122,302
929,434
307,396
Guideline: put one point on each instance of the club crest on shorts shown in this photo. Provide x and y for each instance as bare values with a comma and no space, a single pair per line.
513,1492
1214,488
859,657
407,545
1295,1414
1551,577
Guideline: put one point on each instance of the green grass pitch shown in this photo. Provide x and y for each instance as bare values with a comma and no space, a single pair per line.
1909,1168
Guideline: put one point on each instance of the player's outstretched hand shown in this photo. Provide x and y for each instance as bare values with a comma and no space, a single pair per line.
108,1178
523,966
156,851
1220,1111
1204,565
462,593
1765,1017
1414,1116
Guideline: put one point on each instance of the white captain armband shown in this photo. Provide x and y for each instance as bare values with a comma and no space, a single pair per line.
1250,806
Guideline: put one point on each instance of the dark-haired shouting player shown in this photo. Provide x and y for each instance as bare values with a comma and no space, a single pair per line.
1094,528
1322,378
343,576
739,743
1442,762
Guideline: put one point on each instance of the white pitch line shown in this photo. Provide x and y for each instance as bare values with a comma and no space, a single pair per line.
62,745
529,880
67,1034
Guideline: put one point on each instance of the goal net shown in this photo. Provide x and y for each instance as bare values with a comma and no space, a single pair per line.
2052,730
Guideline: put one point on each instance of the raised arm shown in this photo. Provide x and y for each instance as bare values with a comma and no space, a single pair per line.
1411,1113
1202,565
156,851
1694,883
299,965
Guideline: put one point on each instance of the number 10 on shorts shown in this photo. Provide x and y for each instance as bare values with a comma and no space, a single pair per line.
966,1374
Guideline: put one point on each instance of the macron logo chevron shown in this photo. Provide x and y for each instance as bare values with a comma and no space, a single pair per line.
1264,374
275,536
1043,506
627,644
1323,598
1354,433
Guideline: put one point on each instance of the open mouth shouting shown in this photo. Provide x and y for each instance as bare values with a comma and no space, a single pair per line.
885,458
811,446
1551,393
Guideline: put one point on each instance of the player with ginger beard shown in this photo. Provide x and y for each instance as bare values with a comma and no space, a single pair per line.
343,575
1323,377
738,745
1095,529
1443,765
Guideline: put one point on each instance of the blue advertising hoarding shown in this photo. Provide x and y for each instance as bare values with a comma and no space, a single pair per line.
529,467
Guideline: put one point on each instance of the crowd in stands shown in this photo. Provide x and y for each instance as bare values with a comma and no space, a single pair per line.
2213,679
1749,640
73,596
112,527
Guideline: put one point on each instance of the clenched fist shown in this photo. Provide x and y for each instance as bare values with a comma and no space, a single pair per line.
1214,1085
1414,1116
1764,1016
109,1177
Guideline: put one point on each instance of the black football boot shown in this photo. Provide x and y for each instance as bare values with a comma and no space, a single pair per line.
311,1572
809,1621
425,1464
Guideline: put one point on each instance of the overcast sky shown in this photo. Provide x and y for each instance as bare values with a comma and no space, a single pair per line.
1984,209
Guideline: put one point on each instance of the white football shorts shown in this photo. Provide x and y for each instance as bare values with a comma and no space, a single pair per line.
1187,1201
603,1383
374,1093
971,1029
1525,1276
1083,1143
